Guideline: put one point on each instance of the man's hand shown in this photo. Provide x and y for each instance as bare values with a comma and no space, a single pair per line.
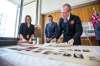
53,40
48,40
60,40
71,41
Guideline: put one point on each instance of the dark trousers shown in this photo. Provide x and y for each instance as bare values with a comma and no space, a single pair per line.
98,42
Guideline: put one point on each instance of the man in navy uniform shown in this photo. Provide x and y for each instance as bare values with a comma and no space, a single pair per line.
70,25
50,29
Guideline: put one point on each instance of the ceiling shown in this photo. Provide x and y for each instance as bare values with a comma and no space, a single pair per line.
17,2
53,5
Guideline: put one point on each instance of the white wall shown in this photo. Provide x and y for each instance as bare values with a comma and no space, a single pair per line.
51,5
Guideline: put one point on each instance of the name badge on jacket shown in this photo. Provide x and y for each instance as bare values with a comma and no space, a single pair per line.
72,23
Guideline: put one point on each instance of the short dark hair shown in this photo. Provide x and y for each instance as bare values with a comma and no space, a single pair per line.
68,5
50,16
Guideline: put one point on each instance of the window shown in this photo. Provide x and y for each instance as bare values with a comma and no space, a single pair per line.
8,12
9,15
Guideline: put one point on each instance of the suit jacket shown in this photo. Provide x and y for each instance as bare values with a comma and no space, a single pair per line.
71,29
24,30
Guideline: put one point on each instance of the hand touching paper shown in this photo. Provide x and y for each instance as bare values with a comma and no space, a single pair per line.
71,41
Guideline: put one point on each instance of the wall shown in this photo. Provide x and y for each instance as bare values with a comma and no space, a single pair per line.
51,5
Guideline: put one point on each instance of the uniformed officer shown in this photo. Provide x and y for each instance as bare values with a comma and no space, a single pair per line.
70,25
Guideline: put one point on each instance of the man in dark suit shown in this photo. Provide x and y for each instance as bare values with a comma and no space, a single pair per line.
50,29
70,25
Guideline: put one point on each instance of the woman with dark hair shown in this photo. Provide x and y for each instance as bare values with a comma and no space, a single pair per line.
26,30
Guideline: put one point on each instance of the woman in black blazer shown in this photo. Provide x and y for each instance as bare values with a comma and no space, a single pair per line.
26,30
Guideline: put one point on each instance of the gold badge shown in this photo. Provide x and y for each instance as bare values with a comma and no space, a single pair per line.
72,22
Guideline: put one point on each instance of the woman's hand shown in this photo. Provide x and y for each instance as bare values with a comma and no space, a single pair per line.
30,41
22,41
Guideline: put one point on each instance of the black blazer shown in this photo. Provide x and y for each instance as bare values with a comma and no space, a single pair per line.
24,30
71,29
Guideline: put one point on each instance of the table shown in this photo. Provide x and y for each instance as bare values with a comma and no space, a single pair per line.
50,56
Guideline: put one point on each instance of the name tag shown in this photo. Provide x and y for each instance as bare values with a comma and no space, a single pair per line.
27,36
72,22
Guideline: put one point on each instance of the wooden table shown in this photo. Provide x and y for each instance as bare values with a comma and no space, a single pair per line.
13,57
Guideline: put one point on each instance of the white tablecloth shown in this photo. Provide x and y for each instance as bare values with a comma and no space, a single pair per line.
9,57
